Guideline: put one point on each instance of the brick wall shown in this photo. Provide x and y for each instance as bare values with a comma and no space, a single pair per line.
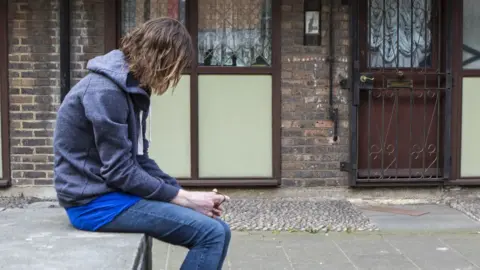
34,88
34,78
310,157
87,35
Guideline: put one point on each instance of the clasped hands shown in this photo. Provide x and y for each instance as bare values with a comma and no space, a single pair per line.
207,203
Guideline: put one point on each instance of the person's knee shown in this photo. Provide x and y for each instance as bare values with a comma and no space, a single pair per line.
228,232
218,231
215,233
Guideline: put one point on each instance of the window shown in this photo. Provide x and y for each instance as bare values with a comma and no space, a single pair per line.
235,33
400,34
470,94
471,34
222,126
135,12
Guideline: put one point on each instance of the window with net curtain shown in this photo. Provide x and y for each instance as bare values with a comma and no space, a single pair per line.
234,33
400,33
231,33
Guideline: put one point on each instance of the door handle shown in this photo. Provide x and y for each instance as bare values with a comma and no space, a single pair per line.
363,82
364,79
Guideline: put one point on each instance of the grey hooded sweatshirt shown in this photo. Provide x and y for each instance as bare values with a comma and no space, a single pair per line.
99,140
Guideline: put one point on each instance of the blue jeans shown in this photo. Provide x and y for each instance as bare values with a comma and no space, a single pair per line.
206,238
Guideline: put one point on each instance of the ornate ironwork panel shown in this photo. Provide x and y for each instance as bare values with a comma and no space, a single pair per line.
401,135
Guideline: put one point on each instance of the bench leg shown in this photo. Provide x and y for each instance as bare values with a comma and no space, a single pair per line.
148,253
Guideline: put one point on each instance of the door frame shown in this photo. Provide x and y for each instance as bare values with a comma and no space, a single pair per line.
356,68
112,39
459,73
5,181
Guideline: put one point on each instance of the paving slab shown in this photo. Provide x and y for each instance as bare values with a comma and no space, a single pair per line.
244,253
465,245
312,252
373,252
43,239
439,218
428,252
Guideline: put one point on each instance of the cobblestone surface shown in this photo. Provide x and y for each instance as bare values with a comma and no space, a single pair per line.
469,206
19,202
296,215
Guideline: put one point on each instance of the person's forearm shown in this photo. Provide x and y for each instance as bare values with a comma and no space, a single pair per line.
129,177
182,198
151,167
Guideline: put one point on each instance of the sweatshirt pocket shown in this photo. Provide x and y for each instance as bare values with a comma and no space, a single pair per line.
92,164
92,171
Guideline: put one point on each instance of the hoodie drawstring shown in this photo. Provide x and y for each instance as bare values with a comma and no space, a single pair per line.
150,123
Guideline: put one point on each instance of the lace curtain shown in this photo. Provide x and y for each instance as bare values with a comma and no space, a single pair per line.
234,32
230,32
400,33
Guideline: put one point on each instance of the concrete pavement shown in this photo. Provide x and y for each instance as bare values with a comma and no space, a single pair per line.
443,238
340,251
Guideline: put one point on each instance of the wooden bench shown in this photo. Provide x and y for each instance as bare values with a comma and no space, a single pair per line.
42,238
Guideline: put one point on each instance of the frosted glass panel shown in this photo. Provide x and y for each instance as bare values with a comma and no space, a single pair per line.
235,126
170,130
470,127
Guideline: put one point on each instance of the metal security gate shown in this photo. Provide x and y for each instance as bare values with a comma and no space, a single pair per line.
401,86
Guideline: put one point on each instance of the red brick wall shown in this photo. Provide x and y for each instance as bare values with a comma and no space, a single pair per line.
35,80
310,158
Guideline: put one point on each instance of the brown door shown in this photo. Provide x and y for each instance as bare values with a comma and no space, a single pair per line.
401,90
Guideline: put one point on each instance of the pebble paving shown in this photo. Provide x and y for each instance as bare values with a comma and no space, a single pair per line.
469,206
295,215
16,202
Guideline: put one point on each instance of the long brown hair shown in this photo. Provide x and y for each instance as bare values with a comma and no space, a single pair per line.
157,52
